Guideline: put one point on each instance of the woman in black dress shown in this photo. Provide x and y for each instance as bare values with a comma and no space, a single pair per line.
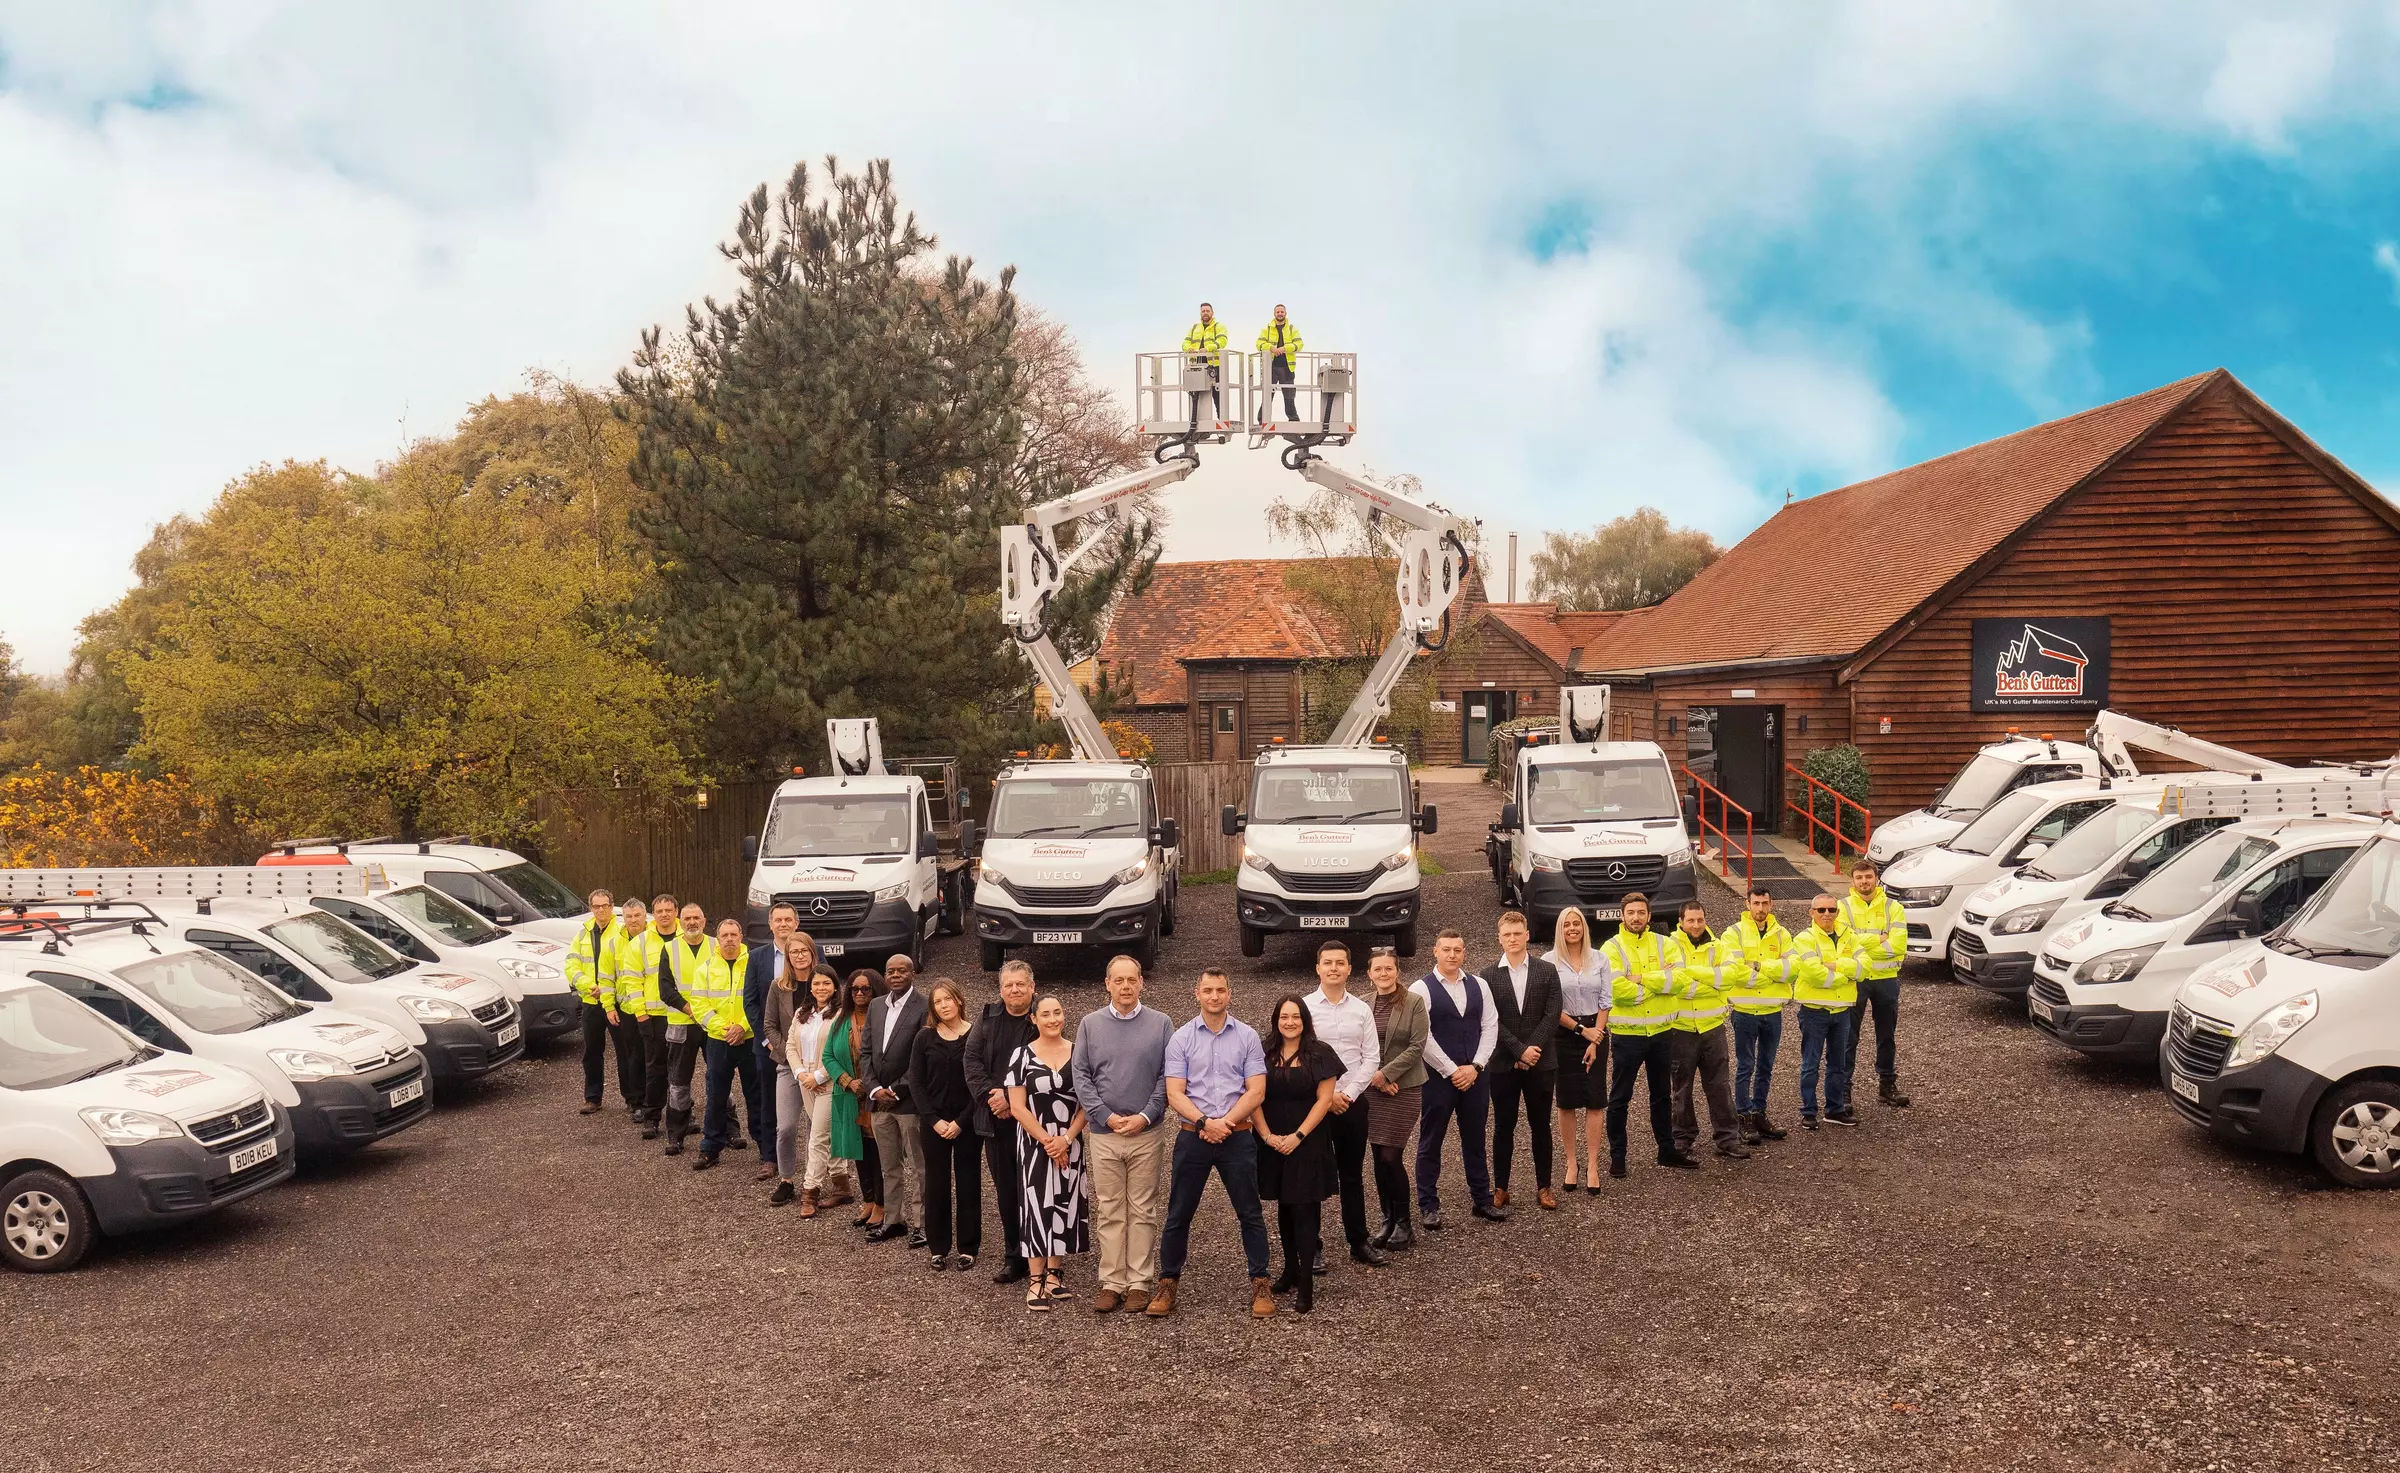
1295,1164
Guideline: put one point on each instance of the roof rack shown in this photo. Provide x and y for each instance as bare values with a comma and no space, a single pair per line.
21,920
2320,795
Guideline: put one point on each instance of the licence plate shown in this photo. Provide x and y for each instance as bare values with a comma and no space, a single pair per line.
249,1156
1058,938
507,1035
1324,923
413,1090
1608,913
2047,1012
832,948
2184,1087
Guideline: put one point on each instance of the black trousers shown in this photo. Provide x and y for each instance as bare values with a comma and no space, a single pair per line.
1391,1183
1648,1052
953,1217
1279,371
654,1066
762,1105
1350,1161
1008,1188
595,1052
717,1126
1473,1106
633,1062
1301,1226
1534,1088
1882,998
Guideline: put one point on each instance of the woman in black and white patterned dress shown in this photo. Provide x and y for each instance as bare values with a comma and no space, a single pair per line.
1058,1204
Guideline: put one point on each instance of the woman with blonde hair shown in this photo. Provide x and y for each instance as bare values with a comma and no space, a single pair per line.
1583,1043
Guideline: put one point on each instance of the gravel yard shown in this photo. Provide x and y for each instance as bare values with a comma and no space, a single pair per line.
2038,1266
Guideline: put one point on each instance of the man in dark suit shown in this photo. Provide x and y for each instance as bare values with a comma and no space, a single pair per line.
1524,1063
767,964
892,1023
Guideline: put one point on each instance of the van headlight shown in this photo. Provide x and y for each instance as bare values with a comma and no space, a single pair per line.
1922,895
2272,1030
1679,858
129,1127
306,1063
526,971
2024,918
2116,966
1406,856
893,892
434,1009
1546,864
1132,872
1254,861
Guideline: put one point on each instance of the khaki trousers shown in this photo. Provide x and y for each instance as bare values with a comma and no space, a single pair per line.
1128,1203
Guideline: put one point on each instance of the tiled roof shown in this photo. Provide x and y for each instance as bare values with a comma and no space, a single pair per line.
1557,633
1241,608
1826,576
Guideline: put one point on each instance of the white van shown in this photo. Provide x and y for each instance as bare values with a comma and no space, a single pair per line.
500,885
1329,843
2293,1043
345,1081
1588,822
424,925
1075,854
100,1133
2103,985
1997,770
2000,926
1934,882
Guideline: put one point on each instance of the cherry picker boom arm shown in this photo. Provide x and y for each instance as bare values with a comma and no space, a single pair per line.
1433,560
2111,733
1031,572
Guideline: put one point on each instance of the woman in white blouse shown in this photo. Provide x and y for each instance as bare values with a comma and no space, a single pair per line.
807,1063
1583,1043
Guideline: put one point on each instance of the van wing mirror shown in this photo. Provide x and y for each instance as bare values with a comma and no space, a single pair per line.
1428,819
967,838
928,847
1230,820
749,848
1509,817
1170,834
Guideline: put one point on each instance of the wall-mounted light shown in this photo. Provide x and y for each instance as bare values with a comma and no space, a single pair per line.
700,799
1804,723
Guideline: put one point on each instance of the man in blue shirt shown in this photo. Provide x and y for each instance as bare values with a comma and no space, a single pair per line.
1216,1077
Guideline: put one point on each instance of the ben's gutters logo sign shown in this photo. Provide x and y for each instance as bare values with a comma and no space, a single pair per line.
2040,663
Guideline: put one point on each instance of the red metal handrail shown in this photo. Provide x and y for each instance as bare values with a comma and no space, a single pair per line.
1722,828
1808,814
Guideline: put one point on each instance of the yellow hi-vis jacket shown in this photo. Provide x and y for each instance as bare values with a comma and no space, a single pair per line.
1766,985
1282,339
633,970
1880,927
1824,970
673,981
1704,974
1206,337
1641,985
591,965
714,991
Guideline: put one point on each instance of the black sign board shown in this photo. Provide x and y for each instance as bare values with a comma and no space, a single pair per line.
2040,664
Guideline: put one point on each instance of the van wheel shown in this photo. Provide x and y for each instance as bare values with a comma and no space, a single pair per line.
1254,941
45,1225
993,954
1145,952
954,908
1404,941
2356,1134
1166,915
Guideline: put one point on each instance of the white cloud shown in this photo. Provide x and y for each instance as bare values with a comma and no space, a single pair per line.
2387,261
240,233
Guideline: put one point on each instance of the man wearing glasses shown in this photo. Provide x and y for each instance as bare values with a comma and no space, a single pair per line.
1824,971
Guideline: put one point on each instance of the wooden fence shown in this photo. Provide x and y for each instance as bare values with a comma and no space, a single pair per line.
695,853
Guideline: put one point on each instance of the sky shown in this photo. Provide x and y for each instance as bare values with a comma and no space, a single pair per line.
1592,257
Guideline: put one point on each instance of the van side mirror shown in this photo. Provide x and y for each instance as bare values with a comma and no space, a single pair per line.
1428,819
749,848
968,839
928,847
2030,853
1170,834
2249,914
1509,817
1230,820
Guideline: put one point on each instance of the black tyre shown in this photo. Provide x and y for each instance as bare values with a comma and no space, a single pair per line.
2356,1134
1404,941
45,1225
954,906
1166,914
1254,941
993,954
1145,952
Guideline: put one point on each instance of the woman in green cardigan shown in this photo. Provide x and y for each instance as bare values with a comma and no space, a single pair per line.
853,1123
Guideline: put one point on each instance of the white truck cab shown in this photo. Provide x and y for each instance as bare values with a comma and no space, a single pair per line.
859,853
1935,882
1074,853
1588,822
1329,843
2292,1042
102,1134
1995,771
345,1081
426,926
500,885
2104,985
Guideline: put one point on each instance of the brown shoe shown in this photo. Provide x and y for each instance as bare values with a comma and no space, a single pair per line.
1106,1301
1547,1198
1161,1303
808,1202
1500,1197
590,1107
1136,1302
838,1195
1262,1297
766,1171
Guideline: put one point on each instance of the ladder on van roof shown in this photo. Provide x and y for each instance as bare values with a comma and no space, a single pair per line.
2370,790
193,882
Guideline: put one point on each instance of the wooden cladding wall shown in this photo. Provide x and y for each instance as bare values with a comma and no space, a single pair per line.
689,852
2253,601
1191,793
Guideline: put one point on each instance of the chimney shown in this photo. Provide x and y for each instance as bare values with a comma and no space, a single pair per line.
1512,567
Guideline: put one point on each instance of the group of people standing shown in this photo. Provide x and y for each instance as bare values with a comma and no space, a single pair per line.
878,1090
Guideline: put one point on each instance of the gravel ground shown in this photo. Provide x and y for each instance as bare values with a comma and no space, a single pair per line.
2039,1266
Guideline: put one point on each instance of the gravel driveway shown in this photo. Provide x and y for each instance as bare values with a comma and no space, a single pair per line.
2039,1266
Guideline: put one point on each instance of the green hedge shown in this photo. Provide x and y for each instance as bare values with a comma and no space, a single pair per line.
1502,753
1843,769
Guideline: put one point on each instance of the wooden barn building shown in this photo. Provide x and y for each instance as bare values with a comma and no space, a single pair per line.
2186,556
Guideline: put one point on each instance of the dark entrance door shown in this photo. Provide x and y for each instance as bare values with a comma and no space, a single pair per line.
1746,751
1481,710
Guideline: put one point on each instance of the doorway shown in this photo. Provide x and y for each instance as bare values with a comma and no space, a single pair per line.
1481,710
1225,732
1739,751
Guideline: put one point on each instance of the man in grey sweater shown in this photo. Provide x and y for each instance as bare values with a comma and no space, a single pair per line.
1121,1081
